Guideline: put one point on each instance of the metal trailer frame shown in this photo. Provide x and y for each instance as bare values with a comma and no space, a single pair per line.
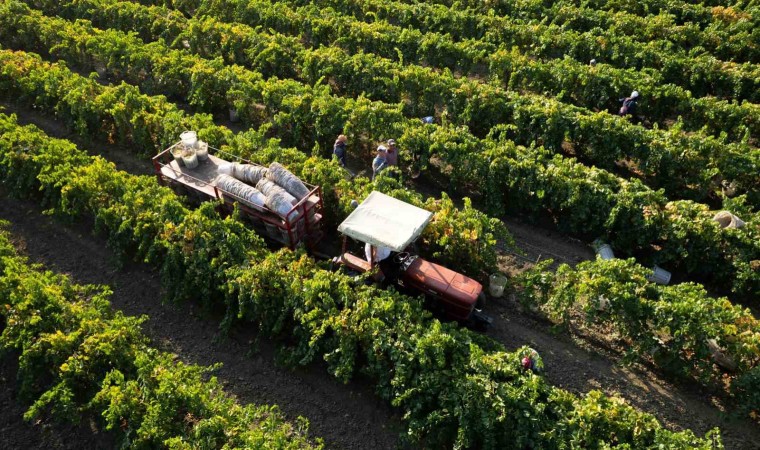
306,227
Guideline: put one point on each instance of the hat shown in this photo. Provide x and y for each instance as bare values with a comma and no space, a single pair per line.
382,149
391,142
342,138
634,94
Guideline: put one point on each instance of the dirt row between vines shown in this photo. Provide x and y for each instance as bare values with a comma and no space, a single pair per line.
348,416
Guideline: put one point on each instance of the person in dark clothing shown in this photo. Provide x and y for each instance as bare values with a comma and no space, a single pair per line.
629,104
339,149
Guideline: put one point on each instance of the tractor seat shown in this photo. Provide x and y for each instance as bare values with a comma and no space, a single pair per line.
354,262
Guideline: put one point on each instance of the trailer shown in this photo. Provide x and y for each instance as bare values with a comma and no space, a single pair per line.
301,225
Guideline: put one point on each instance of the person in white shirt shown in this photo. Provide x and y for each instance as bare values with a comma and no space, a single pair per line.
381,253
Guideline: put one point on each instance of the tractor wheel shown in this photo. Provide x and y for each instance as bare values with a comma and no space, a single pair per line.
481,302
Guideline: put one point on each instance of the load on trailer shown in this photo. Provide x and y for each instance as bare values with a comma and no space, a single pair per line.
276,203
383,222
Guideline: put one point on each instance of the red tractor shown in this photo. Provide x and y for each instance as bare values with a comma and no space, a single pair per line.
388,227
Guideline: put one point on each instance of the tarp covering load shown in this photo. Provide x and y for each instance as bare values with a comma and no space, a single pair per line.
248,173
285,179
381,220
242,191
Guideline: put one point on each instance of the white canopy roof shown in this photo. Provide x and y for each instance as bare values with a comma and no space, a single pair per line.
384,221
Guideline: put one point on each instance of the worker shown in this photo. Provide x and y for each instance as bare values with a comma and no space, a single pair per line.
428,120
380,162
392,156
380,253
339,149
382,257
532,361
629,104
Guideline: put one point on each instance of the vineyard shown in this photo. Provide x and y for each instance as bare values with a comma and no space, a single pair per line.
526,142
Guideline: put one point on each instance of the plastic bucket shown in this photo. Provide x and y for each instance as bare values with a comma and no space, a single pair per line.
660,276
177,154
191,160
202,151
496,284
728,220
189,138
605,252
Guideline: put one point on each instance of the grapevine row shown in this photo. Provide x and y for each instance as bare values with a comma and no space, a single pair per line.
453,387
599,138
702,75
421,89
682,11
727,39
462,237
78,358
585,201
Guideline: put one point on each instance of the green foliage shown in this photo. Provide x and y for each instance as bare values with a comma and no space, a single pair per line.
669,324
571,194
451,386
80,359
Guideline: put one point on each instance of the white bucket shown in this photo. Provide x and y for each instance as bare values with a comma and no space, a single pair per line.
728,220
177,154
496,284
191,160
660,276
202,151
605,252
189,138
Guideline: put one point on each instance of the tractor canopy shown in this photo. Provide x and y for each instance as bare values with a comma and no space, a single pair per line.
384,221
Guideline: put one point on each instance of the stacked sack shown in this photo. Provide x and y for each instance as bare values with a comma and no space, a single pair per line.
279,188
240,190
248,173
285,179
278,199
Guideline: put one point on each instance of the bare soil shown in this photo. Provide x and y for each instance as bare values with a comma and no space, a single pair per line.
351,416
346,416
16,434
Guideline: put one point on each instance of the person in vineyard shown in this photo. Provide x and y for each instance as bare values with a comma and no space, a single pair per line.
383,257
629,104
392,156
531,360
339,149
380,162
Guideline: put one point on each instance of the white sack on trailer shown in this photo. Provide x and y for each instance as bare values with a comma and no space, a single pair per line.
285,179
248,173
279,202
240,190
269,188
